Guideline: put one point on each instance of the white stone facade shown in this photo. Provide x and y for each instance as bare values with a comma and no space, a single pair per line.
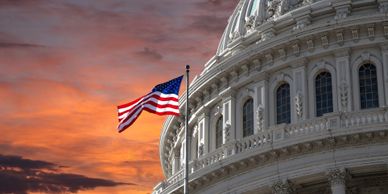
291,41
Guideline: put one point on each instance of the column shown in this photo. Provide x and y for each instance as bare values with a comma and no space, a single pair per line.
260,105
229,116
337,181
282,187
384,54
182,154
175,161
203,133
194,143
299,100
344,100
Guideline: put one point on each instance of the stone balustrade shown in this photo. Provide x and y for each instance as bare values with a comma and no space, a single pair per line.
333,124
209,159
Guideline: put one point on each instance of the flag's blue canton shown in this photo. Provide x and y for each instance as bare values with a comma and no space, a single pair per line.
170,87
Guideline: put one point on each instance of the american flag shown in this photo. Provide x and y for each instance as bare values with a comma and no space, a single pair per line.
162,100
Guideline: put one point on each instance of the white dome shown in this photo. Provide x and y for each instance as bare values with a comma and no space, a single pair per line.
295,100
250,14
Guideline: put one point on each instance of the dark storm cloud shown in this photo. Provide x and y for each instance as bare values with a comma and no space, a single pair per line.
5,45
149,54
25,164
18,2
20,175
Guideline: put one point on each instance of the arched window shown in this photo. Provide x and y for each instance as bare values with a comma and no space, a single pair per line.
248,118
236,23
323,94
253,7
219,135
368,86
283,106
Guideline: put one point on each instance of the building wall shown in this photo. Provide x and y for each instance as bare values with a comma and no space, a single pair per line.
334,153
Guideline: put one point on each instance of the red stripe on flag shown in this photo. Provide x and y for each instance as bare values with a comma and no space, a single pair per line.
161,113
154,104
146,100
162,101
149,106
129,103
122,126
156,96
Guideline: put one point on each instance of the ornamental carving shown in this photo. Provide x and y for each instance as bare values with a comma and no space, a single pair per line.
337,176
250,23
276,8
227,131
299,105
281,187
200,150
344,95
260,117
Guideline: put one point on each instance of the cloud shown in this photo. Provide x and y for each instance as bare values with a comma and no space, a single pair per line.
6,45
209,24
149,54
25,164
218,5
63,99
17,2
20,175
210,16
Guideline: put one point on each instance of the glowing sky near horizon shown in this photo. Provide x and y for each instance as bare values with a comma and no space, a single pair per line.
66,64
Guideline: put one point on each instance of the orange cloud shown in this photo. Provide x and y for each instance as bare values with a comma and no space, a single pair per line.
66,65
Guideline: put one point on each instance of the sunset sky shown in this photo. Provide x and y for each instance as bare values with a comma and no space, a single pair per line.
64,67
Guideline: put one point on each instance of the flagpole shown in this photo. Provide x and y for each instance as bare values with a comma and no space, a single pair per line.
186,175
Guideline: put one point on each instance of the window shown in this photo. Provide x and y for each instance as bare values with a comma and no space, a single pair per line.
236,23
323,94
283,106
253,7
219,132
368,86
248,118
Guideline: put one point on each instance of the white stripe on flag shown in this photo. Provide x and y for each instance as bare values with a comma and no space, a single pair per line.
150,94
159,102
159,110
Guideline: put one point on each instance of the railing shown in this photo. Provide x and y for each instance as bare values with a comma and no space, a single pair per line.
175,178
281,133
357,119
253,141
209,159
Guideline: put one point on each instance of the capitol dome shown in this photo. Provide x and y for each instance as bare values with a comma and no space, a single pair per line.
295,100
